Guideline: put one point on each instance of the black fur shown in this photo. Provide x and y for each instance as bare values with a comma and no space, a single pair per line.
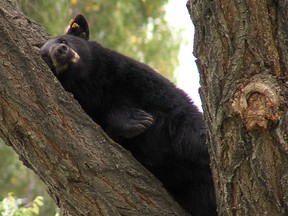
141,110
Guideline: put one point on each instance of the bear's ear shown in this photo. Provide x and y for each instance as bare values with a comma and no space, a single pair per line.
79,27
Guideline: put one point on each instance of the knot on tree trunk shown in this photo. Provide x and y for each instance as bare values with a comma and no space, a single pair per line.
258,102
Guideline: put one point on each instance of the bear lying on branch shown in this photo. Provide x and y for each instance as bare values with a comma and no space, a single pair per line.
139,109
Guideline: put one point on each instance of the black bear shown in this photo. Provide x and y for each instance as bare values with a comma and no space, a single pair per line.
141,110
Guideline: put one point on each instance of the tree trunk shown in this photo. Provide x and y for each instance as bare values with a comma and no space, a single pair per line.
241,49
86,172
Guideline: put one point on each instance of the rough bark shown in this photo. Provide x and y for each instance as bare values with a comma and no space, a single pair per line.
85,171
241,49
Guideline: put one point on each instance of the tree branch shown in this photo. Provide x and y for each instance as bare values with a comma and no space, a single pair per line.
85,171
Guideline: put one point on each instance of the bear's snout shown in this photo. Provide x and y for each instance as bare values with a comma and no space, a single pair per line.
62,49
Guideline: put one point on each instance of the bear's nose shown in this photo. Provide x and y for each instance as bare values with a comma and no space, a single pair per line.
61,49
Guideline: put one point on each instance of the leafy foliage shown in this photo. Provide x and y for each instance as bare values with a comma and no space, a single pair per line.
11,206
136,28
23,182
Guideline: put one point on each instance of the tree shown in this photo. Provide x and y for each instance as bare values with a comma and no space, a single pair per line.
148,18
85,171
241,50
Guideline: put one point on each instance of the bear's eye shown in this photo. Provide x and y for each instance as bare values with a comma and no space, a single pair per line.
44,57
63,41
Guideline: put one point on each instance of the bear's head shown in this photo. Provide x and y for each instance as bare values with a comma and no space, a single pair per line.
66,51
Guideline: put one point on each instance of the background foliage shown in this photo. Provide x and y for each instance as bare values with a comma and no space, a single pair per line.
136,28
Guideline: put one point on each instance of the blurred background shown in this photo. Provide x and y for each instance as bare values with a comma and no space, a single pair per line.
158,33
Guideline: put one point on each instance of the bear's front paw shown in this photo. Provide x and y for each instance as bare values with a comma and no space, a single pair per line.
138,122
